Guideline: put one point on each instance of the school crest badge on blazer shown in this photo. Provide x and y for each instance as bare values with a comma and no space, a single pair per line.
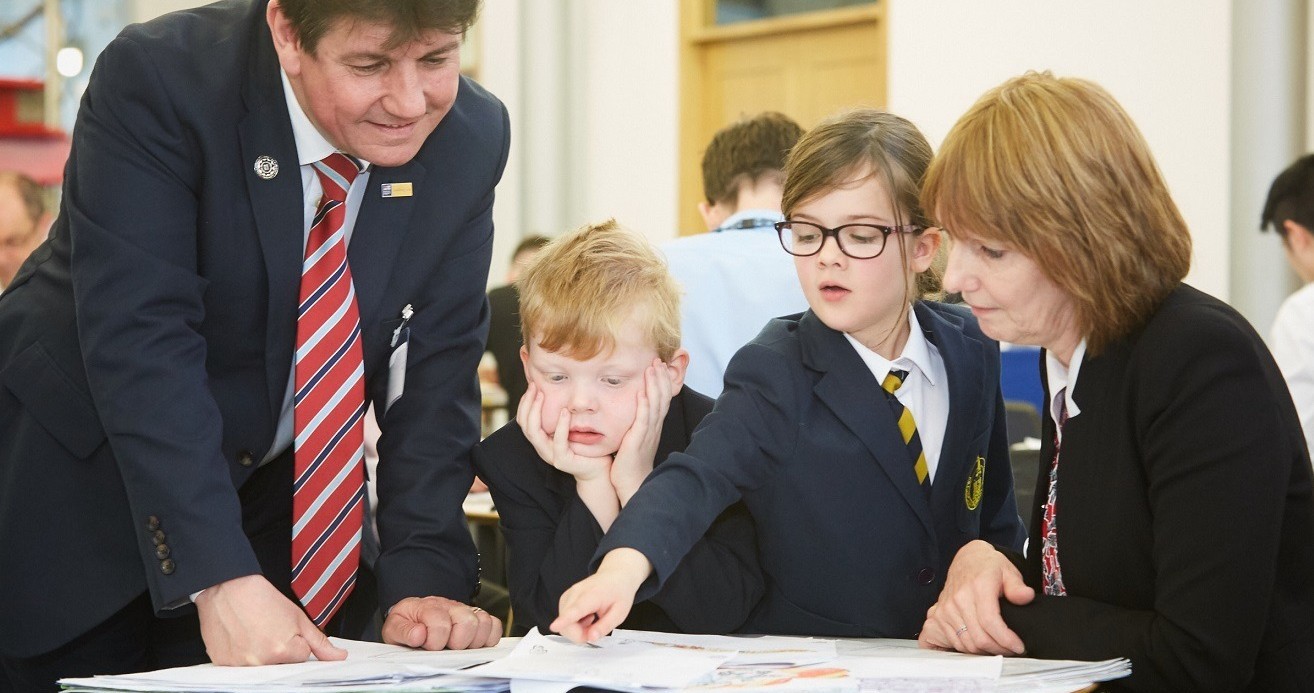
975,484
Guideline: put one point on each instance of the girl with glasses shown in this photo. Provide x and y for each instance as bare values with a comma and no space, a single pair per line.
865,436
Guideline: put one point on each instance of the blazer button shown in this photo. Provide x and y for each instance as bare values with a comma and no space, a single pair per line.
152,523
166,566
158,537
925,576
245,459
162,551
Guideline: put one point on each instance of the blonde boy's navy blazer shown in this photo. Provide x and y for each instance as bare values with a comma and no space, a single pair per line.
551,535
849,543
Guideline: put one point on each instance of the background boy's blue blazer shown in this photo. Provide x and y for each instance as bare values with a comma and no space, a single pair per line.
154,397
850,545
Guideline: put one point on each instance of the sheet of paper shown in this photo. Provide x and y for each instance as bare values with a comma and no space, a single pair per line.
628,661
1022,674
619,663
531,686
478,502
895,659
921,684
830,677
880,660
371,665
754,650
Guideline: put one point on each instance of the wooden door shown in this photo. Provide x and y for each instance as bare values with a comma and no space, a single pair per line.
806,65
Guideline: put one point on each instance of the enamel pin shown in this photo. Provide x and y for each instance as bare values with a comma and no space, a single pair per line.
396,189
266,167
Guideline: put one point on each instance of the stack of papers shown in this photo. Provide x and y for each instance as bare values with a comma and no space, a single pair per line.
615,662
1056,674
635,662
899,665
647,662
369,666
751,650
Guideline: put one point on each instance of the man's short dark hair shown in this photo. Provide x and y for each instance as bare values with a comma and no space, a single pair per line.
1291,197
311,19
745,151
29,191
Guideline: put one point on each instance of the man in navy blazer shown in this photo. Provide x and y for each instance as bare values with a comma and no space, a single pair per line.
145,349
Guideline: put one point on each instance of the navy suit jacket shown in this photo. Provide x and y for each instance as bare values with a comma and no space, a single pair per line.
145,348
551,536
849,543
1185,516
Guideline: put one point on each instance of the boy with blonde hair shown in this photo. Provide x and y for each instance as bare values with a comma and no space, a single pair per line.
600,314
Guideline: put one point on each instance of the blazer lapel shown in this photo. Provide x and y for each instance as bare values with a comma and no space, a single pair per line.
966,393
276,206
848,388
380,230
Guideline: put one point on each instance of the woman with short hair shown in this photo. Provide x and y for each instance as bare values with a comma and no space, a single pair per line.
1174,523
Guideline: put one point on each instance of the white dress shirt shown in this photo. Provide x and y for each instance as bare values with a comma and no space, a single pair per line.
311,147
1292,342
1063,379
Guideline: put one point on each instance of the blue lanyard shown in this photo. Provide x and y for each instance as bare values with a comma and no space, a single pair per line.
750,223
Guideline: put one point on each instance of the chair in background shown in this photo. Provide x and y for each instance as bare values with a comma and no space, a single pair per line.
1019,375
1025,462
1023,422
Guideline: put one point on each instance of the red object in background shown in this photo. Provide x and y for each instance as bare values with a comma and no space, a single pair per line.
26,144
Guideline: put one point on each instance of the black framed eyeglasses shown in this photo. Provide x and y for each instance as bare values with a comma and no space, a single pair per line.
858,241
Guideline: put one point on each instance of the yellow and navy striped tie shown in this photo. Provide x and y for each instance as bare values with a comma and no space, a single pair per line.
908,427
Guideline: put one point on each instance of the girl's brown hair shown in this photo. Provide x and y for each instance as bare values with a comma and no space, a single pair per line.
866,142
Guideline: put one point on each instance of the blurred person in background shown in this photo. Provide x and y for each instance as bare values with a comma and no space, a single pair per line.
504,338
1290,211
734,276
24,222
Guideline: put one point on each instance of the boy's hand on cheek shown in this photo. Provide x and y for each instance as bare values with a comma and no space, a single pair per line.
555,449
638,449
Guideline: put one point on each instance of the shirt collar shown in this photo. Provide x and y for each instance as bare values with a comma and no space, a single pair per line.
1064,378
916,353
743,218
311,145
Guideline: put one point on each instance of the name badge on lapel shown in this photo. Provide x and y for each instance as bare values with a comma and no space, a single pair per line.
975,484
397,189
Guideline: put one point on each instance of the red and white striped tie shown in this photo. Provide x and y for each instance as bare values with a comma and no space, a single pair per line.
329,448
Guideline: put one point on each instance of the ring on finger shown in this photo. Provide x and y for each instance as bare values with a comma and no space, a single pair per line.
961,629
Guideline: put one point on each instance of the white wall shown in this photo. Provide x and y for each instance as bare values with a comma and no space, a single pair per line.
591,87
1167,62
143,10
499,65
629,100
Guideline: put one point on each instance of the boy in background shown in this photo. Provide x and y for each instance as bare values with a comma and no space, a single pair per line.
734,276
1289,209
